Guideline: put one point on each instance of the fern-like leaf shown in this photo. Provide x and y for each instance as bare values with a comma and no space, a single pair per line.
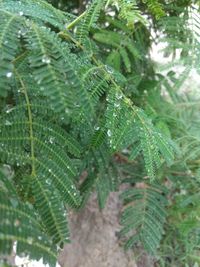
155,7
9,35
89,19
28,141
143,216
129,11
20,226
39,10
127,124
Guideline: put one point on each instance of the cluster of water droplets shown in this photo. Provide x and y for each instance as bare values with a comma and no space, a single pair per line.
46,59
21,32
109,69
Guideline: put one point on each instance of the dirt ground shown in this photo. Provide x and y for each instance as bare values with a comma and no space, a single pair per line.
94,238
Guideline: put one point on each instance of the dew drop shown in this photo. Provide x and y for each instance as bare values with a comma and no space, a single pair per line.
48,182
116,105
30,240
8,123
19,33
109,133
9,110
96,128
118,95
46,59
51,140
9,74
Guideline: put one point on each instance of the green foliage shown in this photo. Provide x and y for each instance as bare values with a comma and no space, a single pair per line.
128,125
155,7
128,10
89,20
9,35
143,216
82,110
20,224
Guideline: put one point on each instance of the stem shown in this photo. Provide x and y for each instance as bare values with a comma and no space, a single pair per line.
110,77
30,119
71,25
20,56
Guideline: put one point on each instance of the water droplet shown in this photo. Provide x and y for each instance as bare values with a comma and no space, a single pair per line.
118,95
46,59
51,140
9,110
9,74
109,70
109,133
30,240
19,33
96,128
116,105
66,110
48,181
8,123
